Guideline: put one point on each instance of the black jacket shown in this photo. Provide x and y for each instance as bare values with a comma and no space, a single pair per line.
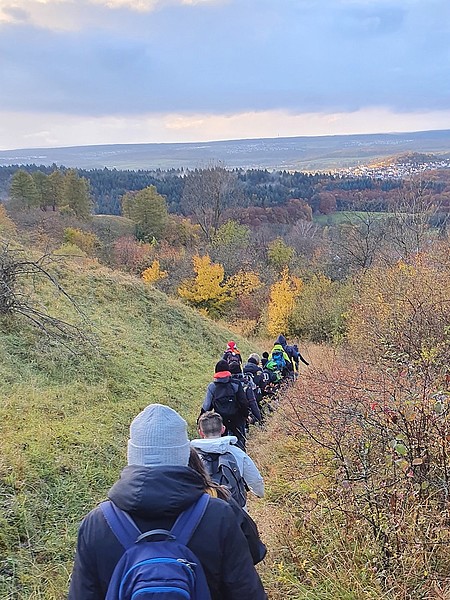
256,371
214,389
292,351
154,496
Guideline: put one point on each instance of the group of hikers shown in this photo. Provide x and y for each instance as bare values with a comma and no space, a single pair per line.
175,525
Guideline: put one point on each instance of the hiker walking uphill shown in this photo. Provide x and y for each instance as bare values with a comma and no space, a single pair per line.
227,397
193,546
224,461
280,359
233,356
292,351
250,391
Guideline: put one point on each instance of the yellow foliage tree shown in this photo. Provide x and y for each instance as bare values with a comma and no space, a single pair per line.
401,317
243,283
206,290
154,273
86,241
282,301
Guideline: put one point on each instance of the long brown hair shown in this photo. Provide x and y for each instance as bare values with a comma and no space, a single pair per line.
211,487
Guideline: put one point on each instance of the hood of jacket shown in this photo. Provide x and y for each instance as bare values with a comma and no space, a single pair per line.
222,377
277,348
281,340
160,491
252,367
217,445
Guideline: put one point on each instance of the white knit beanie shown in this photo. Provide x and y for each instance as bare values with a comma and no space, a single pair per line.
158,436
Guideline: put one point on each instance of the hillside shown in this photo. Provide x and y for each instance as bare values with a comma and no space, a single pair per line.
293,153
64,418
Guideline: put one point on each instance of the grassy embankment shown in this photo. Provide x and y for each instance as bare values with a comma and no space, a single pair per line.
64,419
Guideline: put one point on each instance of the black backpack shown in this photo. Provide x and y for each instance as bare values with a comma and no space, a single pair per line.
223,469
233,359
224,400
248,385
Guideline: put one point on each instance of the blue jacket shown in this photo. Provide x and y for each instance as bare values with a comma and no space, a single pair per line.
154,497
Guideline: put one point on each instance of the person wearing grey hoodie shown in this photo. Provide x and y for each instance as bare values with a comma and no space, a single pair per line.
211,427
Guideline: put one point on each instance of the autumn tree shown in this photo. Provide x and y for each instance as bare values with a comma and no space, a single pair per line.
231,246
148,210
206,196
279,254
409,226
320,308
85,240
153,273
206,290
282,302
359,240
400,318
131,255
7,225
180,231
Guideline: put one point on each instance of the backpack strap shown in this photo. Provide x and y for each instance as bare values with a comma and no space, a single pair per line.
188,521
121,524
128,533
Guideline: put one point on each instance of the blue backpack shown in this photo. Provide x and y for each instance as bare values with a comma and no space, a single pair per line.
157,565
279,359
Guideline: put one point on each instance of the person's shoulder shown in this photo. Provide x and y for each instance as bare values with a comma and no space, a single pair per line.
220,509
236,451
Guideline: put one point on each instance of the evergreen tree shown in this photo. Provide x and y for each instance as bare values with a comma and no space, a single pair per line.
55,184
43,189
148,210
77,195
23,192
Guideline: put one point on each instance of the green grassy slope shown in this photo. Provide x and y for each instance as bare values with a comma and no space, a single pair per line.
64,419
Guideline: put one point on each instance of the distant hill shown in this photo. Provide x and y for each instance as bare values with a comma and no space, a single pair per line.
292,153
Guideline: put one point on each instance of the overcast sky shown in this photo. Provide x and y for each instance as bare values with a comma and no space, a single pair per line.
76,72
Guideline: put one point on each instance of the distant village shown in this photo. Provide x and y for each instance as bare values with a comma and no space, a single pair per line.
399,169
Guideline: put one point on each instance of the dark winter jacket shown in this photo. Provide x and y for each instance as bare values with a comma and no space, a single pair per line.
224,384
255,371
292,351
251,395
154,497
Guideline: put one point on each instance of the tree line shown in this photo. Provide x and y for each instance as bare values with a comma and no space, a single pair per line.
255,187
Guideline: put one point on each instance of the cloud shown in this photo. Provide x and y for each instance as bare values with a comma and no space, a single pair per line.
71,14
107,59
30,130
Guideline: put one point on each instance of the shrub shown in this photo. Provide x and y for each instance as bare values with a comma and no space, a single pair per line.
319,313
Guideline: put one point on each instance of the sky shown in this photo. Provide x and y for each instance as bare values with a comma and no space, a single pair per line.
81,72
